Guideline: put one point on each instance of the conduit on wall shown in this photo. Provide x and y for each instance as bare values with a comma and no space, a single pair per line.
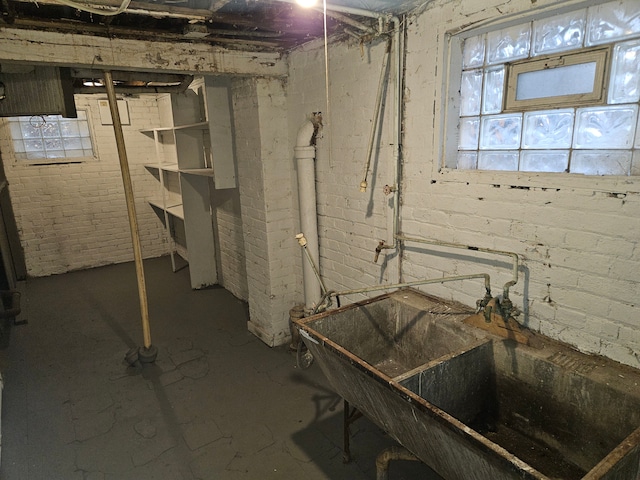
305,154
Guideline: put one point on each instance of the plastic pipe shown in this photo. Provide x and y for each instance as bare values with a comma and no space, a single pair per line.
131,209
305,153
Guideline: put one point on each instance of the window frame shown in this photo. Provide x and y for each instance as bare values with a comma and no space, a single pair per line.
58,160
448,101
600,55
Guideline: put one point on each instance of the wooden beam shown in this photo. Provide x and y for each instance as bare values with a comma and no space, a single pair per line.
86,51
159,10
241,40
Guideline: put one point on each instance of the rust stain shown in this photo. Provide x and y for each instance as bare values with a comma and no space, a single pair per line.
157,60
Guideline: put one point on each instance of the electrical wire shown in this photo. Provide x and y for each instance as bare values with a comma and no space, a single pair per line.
98,11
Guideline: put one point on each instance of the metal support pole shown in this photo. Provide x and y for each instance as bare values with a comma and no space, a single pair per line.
149,353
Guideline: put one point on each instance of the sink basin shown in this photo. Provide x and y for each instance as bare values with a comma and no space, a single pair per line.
562,415
475,406
396,333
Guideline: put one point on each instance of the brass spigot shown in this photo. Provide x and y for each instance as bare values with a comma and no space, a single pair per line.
378,250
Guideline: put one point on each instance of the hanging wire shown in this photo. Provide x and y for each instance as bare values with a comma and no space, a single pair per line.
98,11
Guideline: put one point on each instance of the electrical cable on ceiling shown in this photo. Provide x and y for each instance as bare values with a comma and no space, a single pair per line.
98,11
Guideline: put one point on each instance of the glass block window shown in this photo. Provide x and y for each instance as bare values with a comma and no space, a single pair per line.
572,107
51,137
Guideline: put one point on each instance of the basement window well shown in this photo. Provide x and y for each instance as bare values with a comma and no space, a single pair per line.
556,94
51,138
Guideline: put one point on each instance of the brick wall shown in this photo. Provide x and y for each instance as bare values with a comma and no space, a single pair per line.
232,273
265,179
73,216
577,237
350,223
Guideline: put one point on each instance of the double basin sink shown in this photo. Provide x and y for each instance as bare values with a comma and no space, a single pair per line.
475,406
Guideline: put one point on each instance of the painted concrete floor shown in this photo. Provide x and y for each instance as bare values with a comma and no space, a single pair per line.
217,403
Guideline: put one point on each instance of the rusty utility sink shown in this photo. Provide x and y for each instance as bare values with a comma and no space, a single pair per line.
475,406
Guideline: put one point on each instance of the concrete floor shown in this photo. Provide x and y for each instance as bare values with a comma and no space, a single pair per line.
217,404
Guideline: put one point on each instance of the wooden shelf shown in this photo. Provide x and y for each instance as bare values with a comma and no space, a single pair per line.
204,172
190,126
174,209
183,149
167,167
154,202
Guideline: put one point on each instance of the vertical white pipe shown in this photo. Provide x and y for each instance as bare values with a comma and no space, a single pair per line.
305,155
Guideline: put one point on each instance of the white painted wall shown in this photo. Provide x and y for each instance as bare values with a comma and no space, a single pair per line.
265,161
577,236
73,216
232,273
350,223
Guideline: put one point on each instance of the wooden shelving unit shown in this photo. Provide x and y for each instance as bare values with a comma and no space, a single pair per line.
187,168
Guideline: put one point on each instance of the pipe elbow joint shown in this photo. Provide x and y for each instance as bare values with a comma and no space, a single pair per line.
305,134
308,131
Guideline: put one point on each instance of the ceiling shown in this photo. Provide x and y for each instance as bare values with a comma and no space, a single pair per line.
254,25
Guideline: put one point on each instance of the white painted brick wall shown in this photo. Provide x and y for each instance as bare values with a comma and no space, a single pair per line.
350,223
233,274
73,216
576,237
265,171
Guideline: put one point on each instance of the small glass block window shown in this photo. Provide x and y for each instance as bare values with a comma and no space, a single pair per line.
467,161
534,98
544,160
559,33
508,44
469,133
493,92
500,132
471,92
548,129
498,160
51,137
605,127
612,21
601,162
473,52
624,86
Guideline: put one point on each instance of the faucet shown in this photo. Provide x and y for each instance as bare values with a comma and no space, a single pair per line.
506,309
378,250
483,305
